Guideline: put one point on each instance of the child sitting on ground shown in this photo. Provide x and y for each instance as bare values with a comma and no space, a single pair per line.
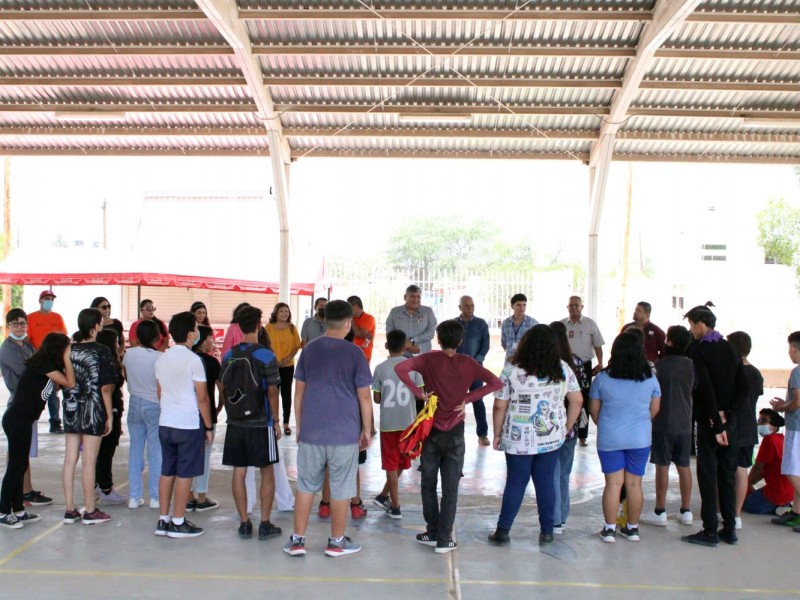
777,491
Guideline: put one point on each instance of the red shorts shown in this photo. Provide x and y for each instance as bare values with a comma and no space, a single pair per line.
391,459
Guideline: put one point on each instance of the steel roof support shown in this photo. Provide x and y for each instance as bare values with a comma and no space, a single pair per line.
668,15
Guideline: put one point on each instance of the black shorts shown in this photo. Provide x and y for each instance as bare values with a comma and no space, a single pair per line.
745,457
362,457
250,446
668,449
182,452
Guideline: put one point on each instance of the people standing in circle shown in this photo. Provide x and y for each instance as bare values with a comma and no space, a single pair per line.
148,313
144,410
108,446
476,345
14,351
200,501
40,323
537,406
514,327
285,344
314,326
200,312
87,414
48,367
654,336
104,306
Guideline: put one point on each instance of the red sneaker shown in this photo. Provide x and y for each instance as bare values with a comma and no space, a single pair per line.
324,510
358,511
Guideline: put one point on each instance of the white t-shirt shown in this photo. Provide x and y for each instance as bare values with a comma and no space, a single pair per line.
140,368
536,419
177,371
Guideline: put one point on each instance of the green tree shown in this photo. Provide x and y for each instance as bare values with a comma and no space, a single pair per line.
779,233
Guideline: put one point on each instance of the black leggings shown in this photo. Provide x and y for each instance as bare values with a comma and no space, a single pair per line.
287,377
19,434
105,456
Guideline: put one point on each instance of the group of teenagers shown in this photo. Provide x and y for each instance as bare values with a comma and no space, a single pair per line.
641,410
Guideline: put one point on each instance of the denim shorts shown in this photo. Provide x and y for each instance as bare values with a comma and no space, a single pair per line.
182,452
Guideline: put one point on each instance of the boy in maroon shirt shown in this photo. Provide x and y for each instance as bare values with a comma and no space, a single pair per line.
449,376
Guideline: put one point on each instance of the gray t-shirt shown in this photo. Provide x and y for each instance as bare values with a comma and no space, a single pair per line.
312,329
420,327
12,362
676,378
584,336
398,405
793,416
140,368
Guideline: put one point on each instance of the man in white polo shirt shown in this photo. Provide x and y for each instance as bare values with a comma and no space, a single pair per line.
184,425
586,342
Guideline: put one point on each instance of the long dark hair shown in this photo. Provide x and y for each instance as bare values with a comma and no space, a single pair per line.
98,301
197,306
147,334
88,319
627,359
109,339
702,314
237,309
562,344
537,354
273,317
51,352
162,327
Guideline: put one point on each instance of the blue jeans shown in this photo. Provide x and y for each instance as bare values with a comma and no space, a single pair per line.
756,504
143,428
53,405
521,468
479,408
566,454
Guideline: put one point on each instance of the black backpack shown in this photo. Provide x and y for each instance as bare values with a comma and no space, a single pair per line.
245,397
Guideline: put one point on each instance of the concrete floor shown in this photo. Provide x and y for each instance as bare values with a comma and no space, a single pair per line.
123,559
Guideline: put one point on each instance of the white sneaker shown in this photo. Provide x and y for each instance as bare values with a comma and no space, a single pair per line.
154,503
652,518
559,529
111,497
738,521
135,502
685,518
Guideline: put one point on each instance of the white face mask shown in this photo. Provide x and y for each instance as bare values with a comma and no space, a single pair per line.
764,429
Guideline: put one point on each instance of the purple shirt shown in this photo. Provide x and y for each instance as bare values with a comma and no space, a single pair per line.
333,371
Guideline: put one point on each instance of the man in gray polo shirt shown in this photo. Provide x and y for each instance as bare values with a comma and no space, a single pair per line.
416,321
314,326
586,342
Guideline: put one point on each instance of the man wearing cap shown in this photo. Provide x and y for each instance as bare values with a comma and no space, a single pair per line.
40,323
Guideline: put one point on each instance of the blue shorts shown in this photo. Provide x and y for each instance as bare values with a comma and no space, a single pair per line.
182,452
633,461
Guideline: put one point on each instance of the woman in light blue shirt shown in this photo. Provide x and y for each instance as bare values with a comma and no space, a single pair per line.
623,400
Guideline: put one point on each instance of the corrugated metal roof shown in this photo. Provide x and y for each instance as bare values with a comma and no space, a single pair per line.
462,78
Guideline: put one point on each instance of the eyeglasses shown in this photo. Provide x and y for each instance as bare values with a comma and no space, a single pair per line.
104,306
18,324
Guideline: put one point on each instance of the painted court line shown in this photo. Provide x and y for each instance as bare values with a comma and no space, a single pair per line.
395,581
16,552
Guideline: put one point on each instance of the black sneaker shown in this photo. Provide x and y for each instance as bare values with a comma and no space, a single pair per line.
608,535
161,528
207,504
545,539
10,521
445,546
55,427
71,516
499,536
35,498
784,519
383,501
267,530
394,513
28,517
630,533
427,538
728,536
246,529
191,505
703,538
186,529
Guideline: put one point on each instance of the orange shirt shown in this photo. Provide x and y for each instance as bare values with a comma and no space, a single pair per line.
367,322
40,324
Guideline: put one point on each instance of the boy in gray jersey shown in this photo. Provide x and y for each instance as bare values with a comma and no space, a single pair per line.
398,411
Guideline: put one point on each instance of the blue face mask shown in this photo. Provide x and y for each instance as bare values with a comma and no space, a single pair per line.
47,305
764,430
14,336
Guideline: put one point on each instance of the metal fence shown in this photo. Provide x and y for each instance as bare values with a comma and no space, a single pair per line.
382,289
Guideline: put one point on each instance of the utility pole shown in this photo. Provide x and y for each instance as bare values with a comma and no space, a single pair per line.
6,229
625,251
104,206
